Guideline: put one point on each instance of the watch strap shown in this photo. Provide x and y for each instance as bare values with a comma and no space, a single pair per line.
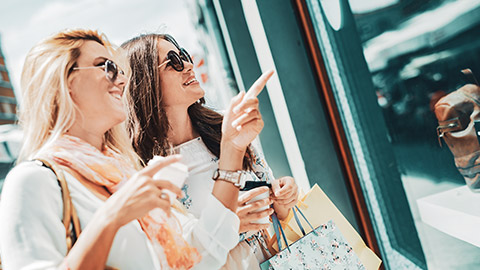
235,177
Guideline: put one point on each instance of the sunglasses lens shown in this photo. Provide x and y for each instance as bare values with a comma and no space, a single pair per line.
185,56
175,61
111,70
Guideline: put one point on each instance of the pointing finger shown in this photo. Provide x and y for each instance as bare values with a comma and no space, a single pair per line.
259,84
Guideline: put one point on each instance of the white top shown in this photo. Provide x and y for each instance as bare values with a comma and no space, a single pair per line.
198,190
32,235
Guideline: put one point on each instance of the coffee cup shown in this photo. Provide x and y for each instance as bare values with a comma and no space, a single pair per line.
176,173
264,195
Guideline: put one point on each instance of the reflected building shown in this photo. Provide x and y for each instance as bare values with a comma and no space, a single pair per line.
8,102
10,134
373,22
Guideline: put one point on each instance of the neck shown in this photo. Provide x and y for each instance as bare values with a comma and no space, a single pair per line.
91,137
181,128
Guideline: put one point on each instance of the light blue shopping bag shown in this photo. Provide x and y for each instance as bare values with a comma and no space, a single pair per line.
323,248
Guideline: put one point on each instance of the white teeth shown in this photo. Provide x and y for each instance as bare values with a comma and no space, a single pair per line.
117,96
190,82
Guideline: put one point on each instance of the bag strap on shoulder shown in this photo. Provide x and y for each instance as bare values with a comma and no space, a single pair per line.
70,216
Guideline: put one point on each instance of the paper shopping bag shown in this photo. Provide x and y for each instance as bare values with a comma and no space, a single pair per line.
319,209
322,248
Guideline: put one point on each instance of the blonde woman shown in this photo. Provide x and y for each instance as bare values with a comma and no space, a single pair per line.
72,112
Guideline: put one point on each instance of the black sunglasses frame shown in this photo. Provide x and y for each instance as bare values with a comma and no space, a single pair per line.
175,60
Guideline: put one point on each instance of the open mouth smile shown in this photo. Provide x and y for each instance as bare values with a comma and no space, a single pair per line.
193,80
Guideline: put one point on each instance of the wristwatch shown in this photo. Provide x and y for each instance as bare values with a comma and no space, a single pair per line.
235,177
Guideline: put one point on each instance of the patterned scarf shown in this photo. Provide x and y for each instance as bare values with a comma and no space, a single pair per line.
110,170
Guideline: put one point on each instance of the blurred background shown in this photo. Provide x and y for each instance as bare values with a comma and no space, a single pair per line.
350,107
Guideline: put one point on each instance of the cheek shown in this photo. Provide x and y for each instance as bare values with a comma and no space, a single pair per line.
78,99
81,91
167,97
169,90
88,98
84,99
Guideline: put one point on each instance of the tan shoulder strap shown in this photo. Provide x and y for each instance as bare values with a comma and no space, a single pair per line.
69,214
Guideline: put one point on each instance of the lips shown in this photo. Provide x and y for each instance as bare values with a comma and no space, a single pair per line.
116,94
190,80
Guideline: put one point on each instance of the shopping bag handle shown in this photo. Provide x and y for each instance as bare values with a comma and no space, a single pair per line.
299,223
278,228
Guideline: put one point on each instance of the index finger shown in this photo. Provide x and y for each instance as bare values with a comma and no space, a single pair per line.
165,184
154,166
251,194
258,85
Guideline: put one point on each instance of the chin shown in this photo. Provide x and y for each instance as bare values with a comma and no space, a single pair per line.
196,94
120,117
197,88
201,95
201,92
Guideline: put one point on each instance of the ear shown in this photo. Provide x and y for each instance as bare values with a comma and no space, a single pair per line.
70,82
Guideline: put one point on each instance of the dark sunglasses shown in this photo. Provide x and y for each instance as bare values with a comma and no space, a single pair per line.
111,70
176,61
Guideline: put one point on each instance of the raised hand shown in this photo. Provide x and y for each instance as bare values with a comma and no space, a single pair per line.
241,124
142,193
242,121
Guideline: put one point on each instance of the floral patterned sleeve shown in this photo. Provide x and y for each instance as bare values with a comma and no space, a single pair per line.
260,167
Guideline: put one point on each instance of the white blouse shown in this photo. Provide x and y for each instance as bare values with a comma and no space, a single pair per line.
32,235
198,190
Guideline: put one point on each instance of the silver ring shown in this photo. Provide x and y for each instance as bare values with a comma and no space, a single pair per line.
164,196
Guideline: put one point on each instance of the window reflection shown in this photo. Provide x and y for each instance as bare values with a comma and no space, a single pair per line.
415,51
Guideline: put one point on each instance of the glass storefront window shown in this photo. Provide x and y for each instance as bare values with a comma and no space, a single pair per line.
388,63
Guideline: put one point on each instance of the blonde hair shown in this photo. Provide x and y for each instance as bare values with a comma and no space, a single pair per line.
47,110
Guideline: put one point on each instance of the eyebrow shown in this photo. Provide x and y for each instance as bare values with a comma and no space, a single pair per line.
101,58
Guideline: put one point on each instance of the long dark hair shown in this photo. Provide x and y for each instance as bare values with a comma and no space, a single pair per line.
148,123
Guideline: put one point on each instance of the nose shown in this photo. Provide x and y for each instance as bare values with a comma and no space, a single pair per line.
188,65
121,80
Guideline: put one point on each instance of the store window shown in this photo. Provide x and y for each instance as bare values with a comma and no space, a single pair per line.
389,62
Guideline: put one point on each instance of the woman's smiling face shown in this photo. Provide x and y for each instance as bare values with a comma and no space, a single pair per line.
179,88
98,99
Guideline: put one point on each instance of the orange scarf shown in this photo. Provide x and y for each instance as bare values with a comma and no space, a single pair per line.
109,169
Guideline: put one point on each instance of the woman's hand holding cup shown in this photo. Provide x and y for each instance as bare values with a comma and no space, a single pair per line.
141,194
254,209
176,173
